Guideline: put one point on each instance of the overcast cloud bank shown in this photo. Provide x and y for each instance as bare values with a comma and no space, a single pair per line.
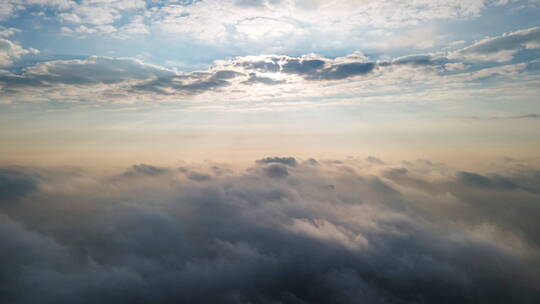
283,231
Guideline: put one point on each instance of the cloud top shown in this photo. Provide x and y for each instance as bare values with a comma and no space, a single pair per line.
318,231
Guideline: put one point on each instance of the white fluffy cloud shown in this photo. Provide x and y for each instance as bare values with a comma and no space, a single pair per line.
6,32
10,51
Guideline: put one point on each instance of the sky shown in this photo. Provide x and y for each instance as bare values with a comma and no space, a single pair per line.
124,81
269,151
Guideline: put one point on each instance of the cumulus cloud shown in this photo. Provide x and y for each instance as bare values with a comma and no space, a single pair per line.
11,51
266,77
375,232
100,12
10,8
8,31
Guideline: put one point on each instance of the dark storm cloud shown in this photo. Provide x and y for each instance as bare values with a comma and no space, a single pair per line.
321,235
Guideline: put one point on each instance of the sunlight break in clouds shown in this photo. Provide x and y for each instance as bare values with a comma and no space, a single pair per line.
269,151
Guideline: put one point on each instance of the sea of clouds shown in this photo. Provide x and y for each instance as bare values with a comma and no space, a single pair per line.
284,230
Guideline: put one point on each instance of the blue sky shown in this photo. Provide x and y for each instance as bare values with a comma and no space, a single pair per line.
346,65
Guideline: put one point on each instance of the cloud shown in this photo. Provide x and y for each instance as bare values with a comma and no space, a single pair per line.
374,160
342,71
522,116
93,70
307,67
273,25
9,31
255,79
15,184
234,22
276,171
531,115
197,176
289,161
321,234
7,9
480,181
90,72
10,8
194,83
100,12
144,169
415,60
501,48
10,51
255,26
270,77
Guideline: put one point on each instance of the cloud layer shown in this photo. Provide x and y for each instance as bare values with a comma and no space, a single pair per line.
218,21
508,60
282,231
